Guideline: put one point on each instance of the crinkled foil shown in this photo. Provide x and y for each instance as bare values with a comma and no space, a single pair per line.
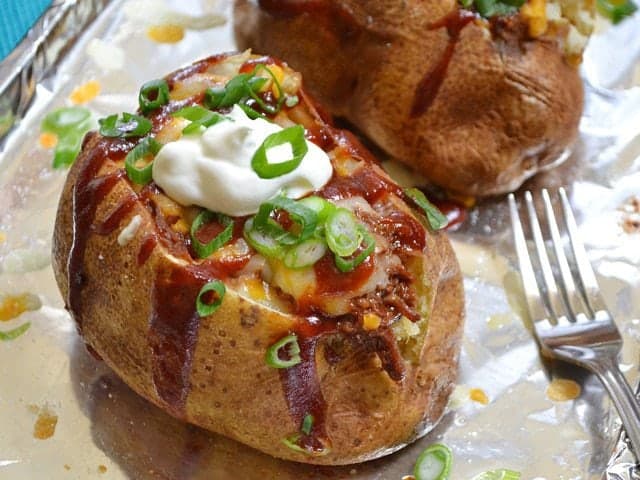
104,430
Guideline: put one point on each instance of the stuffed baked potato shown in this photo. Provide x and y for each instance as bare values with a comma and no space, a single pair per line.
475,104
322,324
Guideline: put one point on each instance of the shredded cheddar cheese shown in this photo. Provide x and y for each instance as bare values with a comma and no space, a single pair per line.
371,321
165,33
478,395
534,11
48,140
255,287
562,390
85,92
3,237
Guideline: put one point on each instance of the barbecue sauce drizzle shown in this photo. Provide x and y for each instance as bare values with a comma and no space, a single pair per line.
174,322
429,86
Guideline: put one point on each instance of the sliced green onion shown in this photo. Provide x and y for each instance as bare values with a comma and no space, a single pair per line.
69,124
153,94
234,91
501,474
493,8
319,205
616,11
436,219
305,254
207,308
348,264
434,463
307,424
66,119
305,219
15,333
342,232
142,176
203,250
200,118
292,443
241,88
252,92
288,345
250,112
67,148
262,241
124,126
293,136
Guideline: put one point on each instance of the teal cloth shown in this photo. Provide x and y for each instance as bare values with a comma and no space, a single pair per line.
16,18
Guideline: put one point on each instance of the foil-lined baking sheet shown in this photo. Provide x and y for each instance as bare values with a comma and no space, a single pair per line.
100,429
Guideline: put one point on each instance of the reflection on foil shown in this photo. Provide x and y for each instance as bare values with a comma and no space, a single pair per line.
104,425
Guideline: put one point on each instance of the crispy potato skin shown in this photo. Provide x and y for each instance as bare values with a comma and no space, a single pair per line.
507,107
230,388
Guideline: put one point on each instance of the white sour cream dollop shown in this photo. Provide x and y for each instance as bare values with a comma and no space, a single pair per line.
213,170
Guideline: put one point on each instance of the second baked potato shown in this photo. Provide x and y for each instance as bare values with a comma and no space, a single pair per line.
475,105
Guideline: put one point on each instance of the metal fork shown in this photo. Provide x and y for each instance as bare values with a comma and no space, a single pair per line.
570,318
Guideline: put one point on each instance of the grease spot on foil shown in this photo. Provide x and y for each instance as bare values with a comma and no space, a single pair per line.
45,425
499,320
481,262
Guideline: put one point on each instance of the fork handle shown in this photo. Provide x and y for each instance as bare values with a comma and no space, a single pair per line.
623,398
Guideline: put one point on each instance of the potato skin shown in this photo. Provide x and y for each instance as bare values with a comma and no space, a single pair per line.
228,388
508,105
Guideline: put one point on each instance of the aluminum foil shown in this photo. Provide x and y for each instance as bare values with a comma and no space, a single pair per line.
104,430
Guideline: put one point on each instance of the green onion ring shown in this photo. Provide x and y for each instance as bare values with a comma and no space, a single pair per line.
304,217
293,136
342,232
141,176
288,344
161,90
305,254
348,264
206,309
261,241
434,463
319,205
203,250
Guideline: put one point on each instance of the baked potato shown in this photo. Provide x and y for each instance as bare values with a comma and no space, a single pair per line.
323,326
476,105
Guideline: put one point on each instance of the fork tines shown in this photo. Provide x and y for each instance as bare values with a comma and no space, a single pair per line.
555,296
